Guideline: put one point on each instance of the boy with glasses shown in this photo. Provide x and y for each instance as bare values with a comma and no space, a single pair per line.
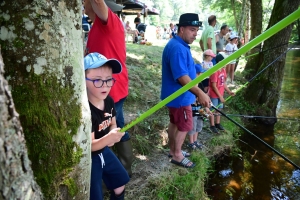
105,165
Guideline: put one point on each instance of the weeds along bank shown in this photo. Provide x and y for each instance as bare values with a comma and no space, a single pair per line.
153,176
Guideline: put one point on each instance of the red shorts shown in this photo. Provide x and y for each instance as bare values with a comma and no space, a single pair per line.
182,117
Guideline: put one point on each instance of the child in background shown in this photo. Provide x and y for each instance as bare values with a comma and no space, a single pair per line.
230,48
197,119
208,55
197,126
105,165
141,38
217,85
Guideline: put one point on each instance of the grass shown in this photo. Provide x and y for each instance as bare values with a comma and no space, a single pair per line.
149,136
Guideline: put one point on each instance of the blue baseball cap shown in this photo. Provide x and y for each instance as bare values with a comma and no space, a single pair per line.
95,60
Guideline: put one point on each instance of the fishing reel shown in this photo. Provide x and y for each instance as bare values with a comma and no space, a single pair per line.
203,113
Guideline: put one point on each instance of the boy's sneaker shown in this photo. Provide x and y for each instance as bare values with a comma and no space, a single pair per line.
213,129
220,127
198,145
192,146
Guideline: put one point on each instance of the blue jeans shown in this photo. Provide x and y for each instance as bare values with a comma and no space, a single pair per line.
120,118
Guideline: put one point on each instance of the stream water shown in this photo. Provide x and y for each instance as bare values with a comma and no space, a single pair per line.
257,172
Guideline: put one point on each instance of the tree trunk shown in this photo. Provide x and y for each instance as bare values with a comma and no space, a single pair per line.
17,180
240,28
256,11
247,27
298,29
43,56
263,93
234,13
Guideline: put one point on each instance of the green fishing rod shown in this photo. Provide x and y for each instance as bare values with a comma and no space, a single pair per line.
266,144
264,36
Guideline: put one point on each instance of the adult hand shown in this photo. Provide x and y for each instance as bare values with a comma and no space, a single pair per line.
204,99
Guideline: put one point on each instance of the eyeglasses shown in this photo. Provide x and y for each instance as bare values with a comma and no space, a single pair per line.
194,23
98,83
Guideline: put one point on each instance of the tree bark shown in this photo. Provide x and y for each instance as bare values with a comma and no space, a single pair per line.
43,56
298,29
253,62
17,180
263,93
234,13
247,27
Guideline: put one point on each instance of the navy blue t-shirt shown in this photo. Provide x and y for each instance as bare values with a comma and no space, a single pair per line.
177,61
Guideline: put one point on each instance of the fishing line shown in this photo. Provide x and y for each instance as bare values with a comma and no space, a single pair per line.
243,86
266,144
266,117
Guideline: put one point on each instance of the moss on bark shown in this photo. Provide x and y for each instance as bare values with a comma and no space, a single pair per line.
51,119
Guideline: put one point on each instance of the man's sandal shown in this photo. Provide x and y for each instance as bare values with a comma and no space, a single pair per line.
184,163
184,153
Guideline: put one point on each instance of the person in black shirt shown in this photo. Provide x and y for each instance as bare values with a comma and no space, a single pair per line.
137,20
105,165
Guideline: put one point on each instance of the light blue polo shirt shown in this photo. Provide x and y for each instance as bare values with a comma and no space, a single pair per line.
177,61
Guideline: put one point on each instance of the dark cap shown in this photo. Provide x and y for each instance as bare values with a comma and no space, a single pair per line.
221,56
189,19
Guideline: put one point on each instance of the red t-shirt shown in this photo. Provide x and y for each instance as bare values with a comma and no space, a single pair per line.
108,39
218,77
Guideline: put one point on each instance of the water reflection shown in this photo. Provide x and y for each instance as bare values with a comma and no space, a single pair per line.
257,172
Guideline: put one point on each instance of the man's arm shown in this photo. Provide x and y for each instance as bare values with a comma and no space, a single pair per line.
209,44
217,40
100,8
201,45
203,99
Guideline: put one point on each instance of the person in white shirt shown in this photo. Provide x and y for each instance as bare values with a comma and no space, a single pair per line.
230,48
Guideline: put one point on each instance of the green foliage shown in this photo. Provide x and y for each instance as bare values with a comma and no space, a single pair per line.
144,71
72,187
241,105
295,36
179,183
